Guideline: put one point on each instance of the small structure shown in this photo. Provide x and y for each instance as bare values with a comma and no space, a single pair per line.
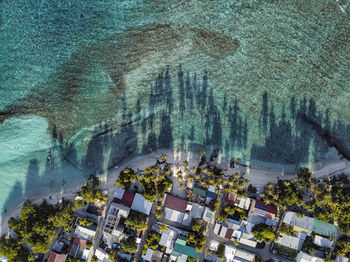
182,251
140,204
55,257
264,210
233,254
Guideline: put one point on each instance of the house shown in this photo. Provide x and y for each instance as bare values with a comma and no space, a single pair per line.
167,240
140,204
124,197
193,211
208,215
211,193
322,241
290,241
152,255
85,232
233,254
115,213
264,210
223,231
234,200
300,224
174,208
55,257
199,194
182,251
303,257
114,225
78,249
307,225
102,255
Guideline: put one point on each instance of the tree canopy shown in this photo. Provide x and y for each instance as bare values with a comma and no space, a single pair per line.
126,178
263,232
90,192
136,220
12,250
37,223
129,245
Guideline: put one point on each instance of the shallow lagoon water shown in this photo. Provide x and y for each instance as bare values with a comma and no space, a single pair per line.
94,83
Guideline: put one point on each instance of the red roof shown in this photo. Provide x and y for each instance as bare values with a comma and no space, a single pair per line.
54,257
267,208
126,200
175,203
231,199
79,241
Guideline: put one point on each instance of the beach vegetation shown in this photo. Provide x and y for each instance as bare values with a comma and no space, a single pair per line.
90,192
12,249
126,178
37,224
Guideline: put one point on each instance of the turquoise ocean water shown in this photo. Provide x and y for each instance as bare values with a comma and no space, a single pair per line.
94,83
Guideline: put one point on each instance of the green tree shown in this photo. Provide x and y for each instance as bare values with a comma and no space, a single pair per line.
12,250
343,246
129,245
90,192
220,252
263,232
126,178
136,220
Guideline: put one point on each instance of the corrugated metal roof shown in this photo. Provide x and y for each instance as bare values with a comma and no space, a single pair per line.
199,191
181,248
175,203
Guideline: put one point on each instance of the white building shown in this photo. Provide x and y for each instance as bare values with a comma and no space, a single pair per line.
140,204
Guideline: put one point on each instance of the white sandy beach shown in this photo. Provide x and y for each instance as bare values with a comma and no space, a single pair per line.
257,176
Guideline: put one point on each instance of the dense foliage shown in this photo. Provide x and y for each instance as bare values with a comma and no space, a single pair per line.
232,211
327,200
152,240
129,245
197,238
37,223
343,246
263,232
90,192
12,250
155,180
126,178
136,220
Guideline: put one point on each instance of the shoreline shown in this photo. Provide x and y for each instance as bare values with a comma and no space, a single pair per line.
258,176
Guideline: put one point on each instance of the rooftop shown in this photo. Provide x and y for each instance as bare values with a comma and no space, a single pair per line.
141,205
181,248
54,257
123,197
175,203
